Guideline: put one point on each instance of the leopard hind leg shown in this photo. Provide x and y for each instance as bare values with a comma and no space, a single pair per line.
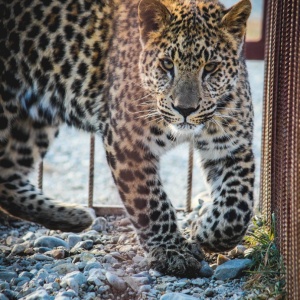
25,145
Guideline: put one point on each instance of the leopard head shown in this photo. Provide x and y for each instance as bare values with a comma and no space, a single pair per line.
191,51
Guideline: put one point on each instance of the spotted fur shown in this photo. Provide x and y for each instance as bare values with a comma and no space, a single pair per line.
147,76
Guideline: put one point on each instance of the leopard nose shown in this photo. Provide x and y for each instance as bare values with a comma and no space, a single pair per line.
185,111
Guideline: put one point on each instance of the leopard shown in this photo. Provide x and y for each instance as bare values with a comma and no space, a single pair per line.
146,76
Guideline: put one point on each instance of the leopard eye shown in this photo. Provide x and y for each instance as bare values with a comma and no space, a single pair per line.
167,64
211,67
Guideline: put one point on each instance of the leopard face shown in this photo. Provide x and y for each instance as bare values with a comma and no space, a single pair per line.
187,65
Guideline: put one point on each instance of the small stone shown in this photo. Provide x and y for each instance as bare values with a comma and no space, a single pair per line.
4,285
3,297
231,269
144,288
65,268
28,236
124,222
57,253
77,276
99,224
50,242
125,248
154,273
109,259
38,295
222,259
209,292
87,245
239,250
177,296
206,270
87,257
198,282
116,282
41,257
92,265
138,258
98,273
7,275
12,240
73,239
41,249
89,296
19,248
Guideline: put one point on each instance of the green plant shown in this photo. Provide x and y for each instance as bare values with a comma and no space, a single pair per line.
267,273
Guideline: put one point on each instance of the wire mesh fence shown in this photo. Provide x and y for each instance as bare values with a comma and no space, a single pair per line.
280,179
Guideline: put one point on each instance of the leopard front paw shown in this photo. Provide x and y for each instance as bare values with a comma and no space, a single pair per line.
182,260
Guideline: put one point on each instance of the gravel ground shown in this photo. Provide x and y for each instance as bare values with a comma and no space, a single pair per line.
104,262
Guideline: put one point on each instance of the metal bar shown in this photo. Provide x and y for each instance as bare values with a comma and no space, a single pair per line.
40,175
190,178
91,171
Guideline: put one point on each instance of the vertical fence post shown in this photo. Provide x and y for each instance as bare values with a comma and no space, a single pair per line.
40,175
280,173
188,204
91,171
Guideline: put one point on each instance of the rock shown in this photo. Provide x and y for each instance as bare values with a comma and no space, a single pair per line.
73,280
38,295
76,275
87,245
209,292
28,236
206,270
7,275
12,240
109,259
41,257
50,242
116,282
73,239
125,248
198,282
19,248
3,297
239,250
96,274
177,296
231,269
92,265
124,222
65,268
222,259
99,224
57,253
87,257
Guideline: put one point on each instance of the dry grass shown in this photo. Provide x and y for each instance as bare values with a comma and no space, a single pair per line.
267,274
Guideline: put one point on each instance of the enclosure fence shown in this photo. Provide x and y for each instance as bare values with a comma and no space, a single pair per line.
280,178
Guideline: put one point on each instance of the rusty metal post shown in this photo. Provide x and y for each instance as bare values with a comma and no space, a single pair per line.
190,178
91,171
40,175
280,173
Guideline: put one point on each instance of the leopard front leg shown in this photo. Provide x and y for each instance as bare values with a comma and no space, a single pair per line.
135,172
26,143
223,221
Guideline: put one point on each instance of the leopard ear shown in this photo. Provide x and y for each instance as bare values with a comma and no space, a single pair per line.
235,18
152,15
